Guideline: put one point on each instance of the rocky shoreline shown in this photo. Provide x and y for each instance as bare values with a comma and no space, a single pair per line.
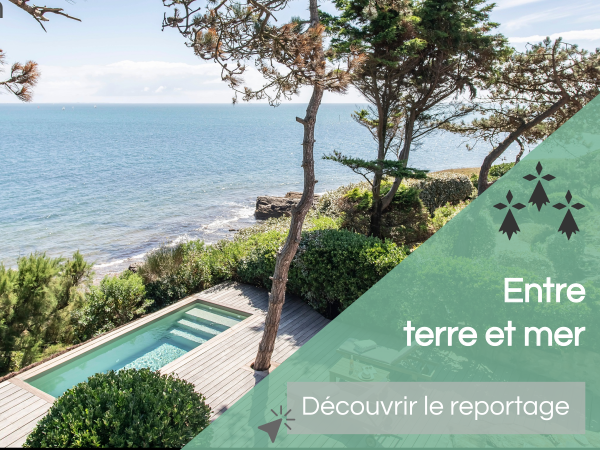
268,207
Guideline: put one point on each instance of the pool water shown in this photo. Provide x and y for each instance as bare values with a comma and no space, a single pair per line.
154,345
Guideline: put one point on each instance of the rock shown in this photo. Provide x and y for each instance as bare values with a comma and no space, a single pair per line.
267,206
135,267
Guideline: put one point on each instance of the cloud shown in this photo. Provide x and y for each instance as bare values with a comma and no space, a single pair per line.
131,81
529,19
568,36
505,4
145,82
575,12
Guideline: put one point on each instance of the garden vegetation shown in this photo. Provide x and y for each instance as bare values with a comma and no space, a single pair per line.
125,409
49,304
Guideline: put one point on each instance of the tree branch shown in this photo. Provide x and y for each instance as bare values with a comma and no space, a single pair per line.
37,12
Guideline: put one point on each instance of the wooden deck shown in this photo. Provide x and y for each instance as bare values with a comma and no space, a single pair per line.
218,368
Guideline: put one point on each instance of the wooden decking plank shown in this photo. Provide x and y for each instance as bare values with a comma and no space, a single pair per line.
232,293
216,367
255,301
192,358
7,415
14,399
23,427
301,337
287,346
250,338
224,360
230,343
222,340
241,359
4,386
23,410
10,389
16,425
237,391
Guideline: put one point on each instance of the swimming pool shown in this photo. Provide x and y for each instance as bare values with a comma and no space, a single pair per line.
153,345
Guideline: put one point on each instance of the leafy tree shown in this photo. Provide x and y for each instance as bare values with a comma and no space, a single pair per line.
419,55
531,95
288,57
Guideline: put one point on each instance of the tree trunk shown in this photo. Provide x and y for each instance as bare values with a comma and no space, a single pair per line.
287,252
520,154
376,208
404,154
376,211
484,172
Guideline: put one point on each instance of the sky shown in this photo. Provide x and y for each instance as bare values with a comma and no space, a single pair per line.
119,54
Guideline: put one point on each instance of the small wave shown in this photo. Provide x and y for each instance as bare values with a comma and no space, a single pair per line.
244,212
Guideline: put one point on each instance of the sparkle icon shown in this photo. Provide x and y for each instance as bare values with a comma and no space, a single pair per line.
272,428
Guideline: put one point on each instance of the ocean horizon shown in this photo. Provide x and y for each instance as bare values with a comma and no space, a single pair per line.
115,181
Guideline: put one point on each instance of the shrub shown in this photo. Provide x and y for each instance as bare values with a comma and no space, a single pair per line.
172,272
36,302
331,269
201,266
442,187
162,262
442,215
496,172
129,408
404,221
117,301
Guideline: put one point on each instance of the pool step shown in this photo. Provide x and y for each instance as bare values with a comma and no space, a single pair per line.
212,317
187,335
198,327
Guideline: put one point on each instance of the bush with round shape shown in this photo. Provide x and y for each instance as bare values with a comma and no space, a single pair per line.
129,408
442,187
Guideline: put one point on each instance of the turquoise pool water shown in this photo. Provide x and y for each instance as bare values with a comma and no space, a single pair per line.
154,345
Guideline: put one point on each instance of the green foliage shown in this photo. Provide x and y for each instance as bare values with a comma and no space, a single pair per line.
331,269
442,187
496,172
125,409
442,215
117,301
405,196
385,167
404,222
500,169
36,302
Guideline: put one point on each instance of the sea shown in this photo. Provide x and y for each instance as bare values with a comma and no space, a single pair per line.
115,181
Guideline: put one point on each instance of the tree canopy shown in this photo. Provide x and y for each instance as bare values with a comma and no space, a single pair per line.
530,95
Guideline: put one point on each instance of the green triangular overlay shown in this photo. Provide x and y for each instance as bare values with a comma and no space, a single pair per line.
457,278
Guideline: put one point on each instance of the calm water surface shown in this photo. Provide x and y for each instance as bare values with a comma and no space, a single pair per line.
118,180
